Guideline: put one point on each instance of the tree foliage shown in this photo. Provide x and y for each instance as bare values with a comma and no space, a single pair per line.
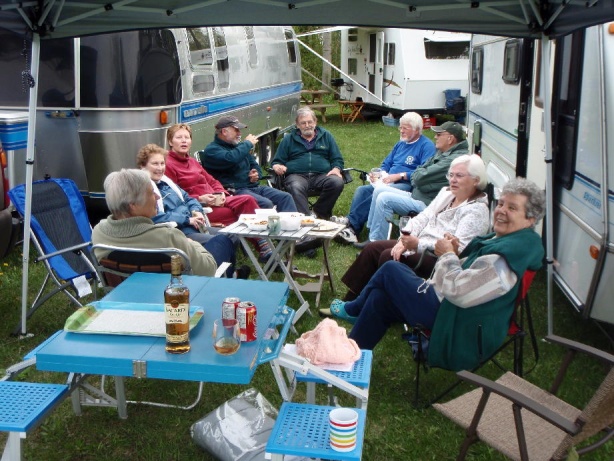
311,62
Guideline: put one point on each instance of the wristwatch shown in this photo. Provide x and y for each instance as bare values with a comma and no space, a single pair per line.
403,175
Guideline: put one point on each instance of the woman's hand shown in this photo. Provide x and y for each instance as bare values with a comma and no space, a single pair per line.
447,244
397,251
208,199
410,242
197,221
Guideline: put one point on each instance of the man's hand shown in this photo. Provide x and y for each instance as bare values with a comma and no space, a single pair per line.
253,175
392,178
251,138
334,172
280,169
447,244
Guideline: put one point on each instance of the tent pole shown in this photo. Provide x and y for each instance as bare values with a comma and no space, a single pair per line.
546,46
34,62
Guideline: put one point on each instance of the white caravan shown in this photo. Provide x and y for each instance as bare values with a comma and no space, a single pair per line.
396,70
505,124
103,97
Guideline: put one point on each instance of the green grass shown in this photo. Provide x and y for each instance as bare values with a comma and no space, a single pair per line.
395,430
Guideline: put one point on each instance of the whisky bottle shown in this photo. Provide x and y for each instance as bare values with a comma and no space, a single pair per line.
177,311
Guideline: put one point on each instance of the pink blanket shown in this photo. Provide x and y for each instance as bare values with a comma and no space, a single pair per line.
327,343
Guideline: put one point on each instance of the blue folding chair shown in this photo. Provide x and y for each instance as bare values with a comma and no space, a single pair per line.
61,233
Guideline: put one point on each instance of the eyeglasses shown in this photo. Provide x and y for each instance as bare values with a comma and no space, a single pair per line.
440,133
458,176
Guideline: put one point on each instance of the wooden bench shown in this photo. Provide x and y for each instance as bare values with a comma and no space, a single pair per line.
24,406
321,108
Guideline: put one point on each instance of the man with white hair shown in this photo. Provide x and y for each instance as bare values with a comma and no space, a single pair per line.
412,150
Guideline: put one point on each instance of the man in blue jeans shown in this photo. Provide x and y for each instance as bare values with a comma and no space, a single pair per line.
409,153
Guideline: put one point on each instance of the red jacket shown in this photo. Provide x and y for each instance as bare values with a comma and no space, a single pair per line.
191,176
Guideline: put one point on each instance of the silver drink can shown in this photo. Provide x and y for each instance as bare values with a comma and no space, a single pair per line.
229,307
274,225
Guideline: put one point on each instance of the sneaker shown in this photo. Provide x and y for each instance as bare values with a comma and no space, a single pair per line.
340,220
347,235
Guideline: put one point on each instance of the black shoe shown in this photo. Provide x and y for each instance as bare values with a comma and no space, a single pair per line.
307,243
310,253
243,272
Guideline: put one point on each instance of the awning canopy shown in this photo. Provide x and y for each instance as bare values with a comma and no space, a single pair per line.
515,18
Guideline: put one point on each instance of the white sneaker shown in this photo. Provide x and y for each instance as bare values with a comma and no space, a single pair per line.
340,220
347,235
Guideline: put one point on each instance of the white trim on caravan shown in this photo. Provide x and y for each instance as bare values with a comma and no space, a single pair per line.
505,124
103,97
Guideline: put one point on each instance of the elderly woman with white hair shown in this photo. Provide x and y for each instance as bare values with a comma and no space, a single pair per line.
460,209
132,201
470,297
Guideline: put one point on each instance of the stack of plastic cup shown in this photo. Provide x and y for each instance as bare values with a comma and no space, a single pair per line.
343,425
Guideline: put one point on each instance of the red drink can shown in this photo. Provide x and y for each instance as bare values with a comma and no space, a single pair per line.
229,307
246,315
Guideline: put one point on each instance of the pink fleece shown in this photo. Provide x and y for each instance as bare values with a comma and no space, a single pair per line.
327,343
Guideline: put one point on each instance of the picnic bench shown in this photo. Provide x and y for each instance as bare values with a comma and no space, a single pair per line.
313,100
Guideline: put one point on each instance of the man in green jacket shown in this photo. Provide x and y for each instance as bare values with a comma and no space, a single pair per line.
311,161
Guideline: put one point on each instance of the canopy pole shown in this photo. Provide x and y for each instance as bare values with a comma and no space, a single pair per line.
34,65
547,95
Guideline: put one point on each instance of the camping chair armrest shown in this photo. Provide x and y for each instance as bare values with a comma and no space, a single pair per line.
74,248
576,346
521,400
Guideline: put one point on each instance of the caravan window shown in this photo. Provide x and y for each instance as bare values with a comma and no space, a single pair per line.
252,51
130,69
221,57
477,70
200,47
352,66
389,54
445,50
56,83
511,61
290,43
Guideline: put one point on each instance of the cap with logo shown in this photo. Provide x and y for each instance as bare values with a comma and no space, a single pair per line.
226,121
454,128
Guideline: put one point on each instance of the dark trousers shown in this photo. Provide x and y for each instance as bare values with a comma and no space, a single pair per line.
372,257
328,188
391,296
221,248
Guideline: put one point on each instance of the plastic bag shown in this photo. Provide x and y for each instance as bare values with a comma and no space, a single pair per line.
238,429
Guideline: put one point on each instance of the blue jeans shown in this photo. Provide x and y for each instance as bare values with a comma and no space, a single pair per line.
221,248
391,296
387,201
267,197
363,200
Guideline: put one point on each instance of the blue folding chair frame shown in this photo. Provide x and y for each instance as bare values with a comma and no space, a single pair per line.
61,233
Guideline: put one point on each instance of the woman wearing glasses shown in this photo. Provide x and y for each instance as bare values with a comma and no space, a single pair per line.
460,209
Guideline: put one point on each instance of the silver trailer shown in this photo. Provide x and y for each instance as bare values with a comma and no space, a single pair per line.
506,125
103,97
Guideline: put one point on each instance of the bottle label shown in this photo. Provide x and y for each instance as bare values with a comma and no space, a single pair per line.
176,313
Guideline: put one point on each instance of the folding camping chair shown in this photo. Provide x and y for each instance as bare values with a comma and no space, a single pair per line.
123,261
61,233
546,427
521,323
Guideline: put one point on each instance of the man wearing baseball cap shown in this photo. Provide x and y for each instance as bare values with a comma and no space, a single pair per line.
427,181
229,160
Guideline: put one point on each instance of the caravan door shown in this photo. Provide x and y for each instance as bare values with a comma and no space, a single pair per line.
375,68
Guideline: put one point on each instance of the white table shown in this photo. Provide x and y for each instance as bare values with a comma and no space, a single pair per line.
325,270
281,244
